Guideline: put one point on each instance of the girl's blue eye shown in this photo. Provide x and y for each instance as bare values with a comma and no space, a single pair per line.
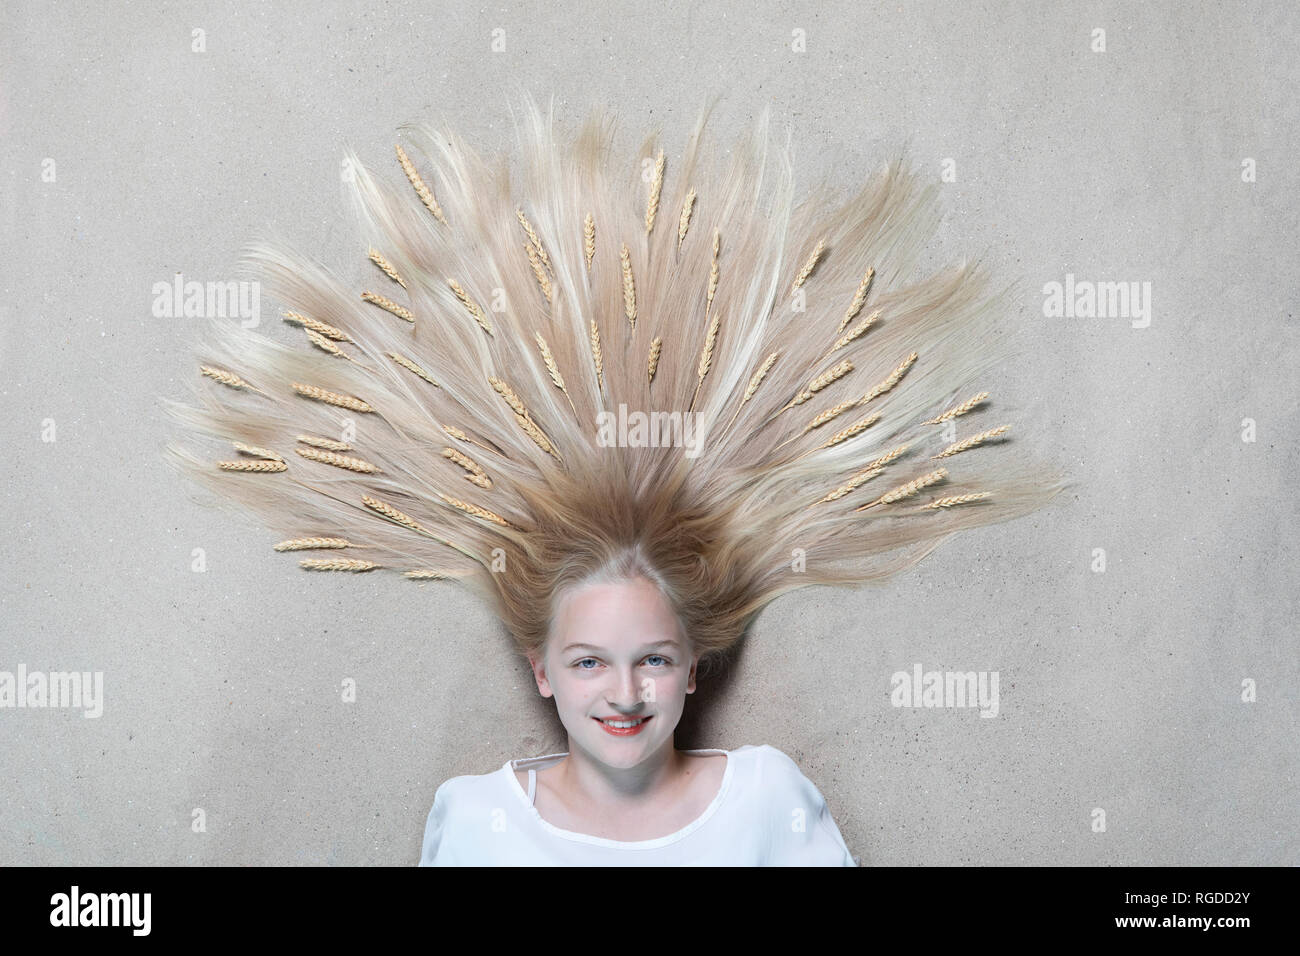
657,657
583,661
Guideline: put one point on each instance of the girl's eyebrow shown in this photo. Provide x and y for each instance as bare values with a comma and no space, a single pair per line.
593,647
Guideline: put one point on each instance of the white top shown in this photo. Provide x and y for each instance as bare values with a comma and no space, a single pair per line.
766,813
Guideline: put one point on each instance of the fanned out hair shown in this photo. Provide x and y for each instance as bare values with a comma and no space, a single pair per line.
617,366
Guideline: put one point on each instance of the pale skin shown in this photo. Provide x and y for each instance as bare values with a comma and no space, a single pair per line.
630,661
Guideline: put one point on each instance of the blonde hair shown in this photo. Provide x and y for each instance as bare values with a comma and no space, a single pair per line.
454,434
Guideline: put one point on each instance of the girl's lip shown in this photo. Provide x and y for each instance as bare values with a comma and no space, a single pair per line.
623,731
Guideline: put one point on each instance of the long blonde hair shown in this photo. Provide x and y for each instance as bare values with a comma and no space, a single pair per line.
450,419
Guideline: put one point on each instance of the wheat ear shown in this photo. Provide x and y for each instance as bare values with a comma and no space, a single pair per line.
907,490
539,272
706,357
713,272
331,398
328,443
260,465
684,221
471,306
524,419
597,356
808,266
476,473
589,239
629,287
475,510
889,382
554,370
421,189
338,461
652,203
386,267
955,500
956,410
257,452
337,564
860,478
312,544
315,325
971,442
328,345
859,297
855,332
410,366
535,242
827,378
652,364
229,378
755,380
431,574
388,305
459,435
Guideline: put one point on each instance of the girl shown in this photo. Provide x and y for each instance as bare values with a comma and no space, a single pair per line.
629,403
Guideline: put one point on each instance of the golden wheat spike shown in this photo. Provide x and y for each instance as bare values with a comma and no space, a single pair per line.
538,271
859,297
889,382
410,366
808,266
589,239
386,267
554,370
652,203
629,287
475,510
257,451
956,410
431,574
684,221
338,461
388,305
246,465
860,478
471,306
597,356
907,490
713,272
533,240
958,447
421,188
656,346
331,398
955,500
856,332
315,325
229,379
328,443
844,434
388,511
463,460
337,564
312,544
822,381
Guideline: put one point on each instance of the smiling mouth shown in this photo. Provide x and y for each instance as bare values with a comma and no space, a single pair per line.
624,726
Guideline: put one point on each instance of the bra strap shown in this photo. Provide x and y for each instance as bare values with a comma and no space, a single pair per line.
532,785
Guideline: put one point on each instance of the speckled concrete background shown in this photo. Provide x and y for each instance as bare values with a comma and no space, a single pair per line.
127,157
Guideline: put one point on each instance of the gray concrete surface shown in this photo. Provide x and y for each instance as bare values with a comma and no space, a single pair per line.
1120,690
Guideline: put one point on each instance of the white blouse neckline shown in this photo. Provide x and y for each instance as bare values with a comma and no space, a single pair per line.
526,763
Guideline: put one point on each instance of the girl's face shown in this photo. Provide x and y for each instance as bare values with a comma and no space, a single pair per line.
615,654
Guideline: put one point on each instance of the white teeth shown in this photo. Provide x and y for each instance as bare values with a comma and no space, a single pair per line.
623,723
